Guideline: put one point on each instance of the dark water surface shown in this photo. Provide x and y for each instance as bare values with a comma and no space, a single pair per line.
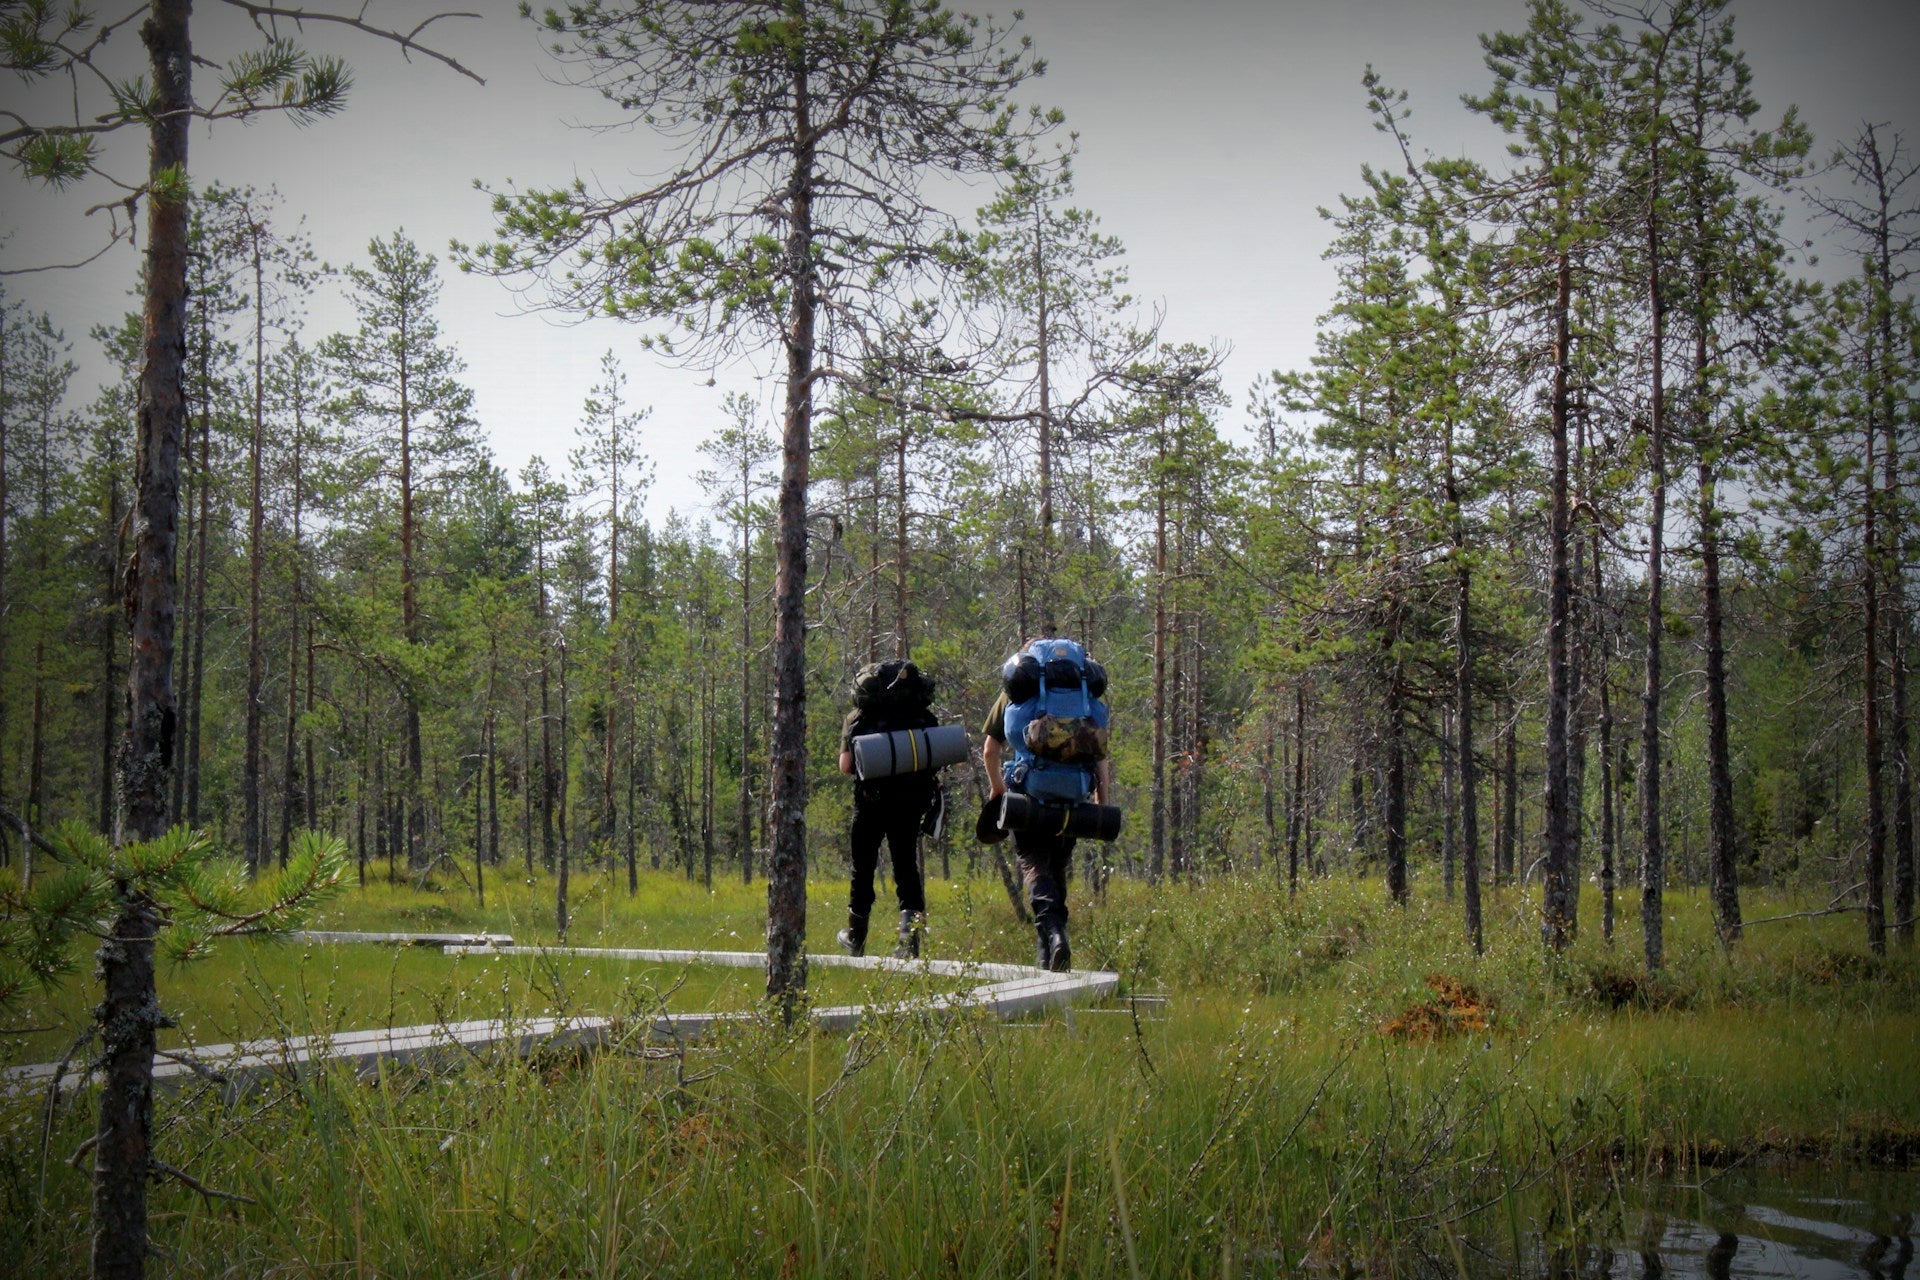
1801,1224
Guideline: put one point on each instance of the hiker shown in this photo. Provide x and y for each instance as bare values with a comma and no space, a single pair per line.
889,696
1051,697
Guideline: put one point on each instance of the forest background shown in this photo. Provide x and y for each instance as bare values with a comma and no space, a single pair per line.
1329,595
1578,549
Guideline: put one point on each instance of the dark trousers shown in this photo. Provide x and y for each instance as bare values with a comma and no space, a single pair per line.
1044,861
899,826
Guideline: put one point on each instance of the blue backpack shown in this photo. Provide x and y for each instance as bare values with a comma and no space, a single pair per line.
1056,720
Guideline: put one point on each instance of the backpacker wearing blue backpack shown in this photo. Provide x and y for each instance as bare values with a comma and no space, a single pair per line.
1056,721
1052,729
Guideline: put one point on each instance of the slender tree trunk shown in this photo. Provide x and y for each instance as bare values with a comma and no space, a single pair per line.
1396,791
1177,744
1463,708
787,856
291,774
609,816
1899,732
1653,868
1449,805
197,609
1723,871
382,809
363,779
488,747
1557,895
111,693
1268,853
1296,815
6,602
37,740
1157,857
560,887
633,809
183,656
746,670
254,835
547,787
1507,854
1603,673
415,795
1043,333
1870,703
709,721
527,804
129,1014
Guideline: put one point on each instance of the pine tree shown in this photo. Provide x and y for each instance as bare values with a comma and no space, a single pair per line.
806,133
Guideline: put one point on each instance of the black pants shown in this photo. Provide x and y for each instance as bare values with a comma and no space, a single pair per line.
1044,861
899,825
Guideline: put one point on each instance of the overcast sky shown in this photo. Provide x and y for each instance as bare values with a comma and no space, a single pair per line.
1210,132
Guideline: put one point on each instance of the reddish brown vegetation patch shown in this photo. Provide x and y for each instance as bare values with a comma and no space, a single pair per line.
1454,1008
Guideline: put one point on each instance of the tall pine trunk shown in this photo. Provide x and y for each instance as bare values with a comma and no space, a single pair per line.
745,849
129,1014
253,837
787,856
1463,708
1157,855
1557,897
1870,704
1899,732
113,539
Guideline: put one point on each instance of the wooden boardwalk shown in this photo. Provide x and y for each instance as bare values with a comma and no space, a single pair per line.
1005,991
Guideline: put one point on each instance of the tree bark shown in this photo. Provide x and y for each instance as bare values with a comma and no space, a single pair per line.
1157,855
1296,816
787,856
1899,732
114,538
197,609
1876,911
1463,710
1557,894
253,836
129,1014
746,668
6,604
560,885
1609,831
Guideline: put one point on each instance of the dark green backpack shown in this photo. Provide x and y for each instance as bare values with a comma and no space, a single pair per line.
892,687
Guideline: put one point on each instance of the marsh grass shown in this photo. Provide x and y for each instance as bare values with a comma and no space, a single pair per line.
1269,1122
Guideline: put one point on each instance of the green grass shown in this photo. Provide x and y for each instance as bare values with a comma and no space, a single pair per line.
1269,1123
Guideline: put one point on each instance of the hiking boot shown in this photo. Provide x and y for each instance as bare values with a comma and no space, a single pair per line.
1062,958
1052,954
912,925
853,938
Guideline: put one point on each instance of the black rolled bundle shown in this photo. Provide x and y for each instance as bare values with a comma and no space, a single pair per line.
1083,820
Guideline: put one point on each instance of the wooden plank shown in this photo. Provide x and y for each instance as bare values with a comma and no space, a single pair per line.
406,939
1011,991
758,960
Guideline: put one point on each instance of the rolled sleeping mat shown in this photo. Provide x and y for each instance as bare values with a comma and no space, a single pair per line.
986,827
1084,819
886,755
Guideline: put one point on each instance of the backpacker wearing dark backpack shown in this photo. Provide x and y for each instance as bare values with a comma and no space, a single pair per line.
888,696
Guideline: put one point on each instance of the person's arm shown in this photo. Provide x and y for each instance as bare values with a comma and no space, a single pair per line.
992,754
1103,781
846,741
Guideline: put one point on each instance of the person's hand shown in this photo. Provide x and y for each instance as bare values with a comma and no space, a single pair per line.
996,787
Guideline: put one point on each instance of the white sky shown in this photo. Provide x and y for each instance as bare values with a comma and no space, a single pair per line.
1210,131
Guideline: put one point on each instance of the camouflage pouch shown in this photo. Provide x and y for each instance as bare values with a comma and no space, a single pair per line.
1066,739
